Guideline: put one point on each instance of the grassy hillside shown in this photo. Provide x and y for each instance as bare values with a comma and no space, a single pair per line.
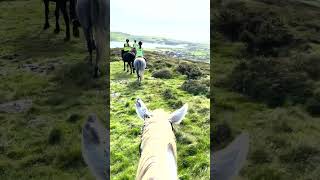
43,141
162,92
265,63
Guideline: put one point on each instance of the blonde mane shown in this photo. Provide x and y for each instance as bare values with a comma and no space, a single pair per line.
158,140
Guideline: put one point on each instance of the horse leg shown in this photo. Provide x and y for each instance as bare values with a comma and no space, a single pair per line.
138,76
100,37
128,64
89,37
57,14
63,8
124,65
73,17
132,66
46,12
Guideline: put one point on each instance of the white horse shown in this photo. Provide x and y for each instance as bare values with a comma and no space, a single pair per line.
140,65
158,146
158,149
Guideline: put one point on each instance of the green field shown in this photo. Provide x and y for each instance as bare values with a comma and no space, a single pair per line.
125,126
257,87
43,141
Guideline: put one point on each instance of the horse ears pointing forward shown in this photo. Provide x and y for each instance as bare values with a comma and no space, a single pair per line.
225,164
175,117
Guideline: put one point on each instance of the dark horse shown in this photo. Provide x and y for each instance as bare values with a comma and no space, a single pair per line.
128,57
62,5
94,19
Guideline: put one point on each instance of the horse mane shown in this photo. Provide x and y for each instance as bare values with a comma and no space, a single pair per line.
157,138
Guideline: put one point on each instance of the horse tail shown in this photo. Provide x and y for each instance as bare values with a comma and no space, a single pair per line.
140,65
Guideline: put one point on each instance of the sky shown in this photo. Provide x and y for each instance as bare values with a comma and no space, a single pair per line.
187,20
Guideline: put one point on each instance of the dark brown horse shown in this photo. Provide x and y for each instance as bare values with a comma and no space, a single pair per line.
61,5
128,57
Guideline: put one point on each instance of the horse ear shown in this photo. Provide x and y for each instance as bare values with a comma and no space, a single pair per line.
142,109
177,116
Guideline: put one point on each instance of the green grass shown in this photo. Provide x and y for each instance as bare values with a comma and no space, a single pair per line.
284,141
192,135
44,142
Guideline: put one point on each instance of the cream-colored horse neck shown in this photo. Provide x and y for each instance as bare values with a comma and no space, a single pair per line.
158,141
158,146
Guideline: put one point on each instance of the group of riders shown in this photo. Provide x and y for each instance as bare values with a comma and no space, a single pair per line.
135,48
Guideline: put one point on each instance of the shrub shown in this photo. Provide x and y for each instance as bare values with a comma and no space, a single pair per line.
69,158
195,87
222,134
299,154
265,34
310,64
268,173
175,103
260,156
262,30
313,106
73,118
168,94
162,74
269,80
230,19
192,72
55,136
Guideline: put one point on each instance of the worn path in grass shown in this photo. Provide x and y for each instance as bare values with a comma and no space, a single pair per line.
125,127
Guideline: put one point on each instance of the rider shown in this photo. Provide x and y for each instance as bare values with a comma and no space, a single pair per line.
140,52
126,46
135,45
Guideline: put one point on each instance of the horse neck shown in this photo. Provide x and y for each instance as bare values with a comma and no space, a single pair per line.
158,157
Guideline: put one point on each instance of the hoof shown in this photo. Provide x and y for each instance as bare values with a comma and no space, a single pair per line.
46,26
127,70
